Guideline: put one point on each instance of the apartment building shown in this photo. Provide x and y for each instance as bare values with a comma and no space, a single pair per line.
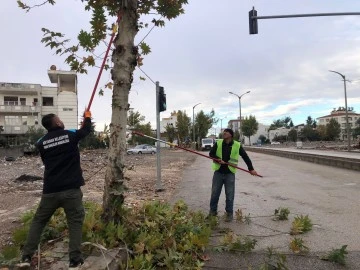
22,105
339,115
172,120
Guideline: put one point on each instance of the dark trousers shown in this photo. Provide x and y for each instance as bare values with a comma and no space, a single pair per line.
228,181
71,201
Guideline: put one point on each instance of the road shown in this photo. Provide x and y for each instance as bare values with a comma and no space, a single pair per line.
330,196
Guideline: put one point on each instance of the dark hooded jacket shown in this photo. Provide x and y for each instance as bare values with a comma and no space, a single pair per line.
60,154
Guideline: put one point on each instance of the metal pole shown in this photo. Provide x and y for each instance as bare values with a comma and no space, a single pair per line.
158,186
346,109
347,118
194,121
240,120
239,97
193,124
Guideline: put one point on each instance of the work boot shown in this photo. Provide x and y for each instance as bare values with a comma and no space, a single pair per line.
75,264
229,217
25,262
211,215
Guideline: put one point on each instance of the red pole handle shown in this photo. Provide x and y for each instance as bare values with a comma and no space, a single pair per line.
191,151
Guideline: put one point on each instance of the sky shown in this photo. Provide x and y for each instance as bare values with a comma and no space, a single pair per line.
205,53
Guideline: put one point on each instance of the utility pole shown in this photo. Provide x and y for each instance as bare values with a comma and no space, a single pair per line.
158,186
194,121
346,110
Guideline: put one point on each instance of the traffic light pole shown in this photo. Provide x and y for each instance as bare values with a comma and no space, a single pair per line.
158,186
254,25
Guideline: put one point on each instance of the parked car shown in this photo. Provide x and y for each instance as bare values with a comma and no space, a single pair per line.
142,149
275,142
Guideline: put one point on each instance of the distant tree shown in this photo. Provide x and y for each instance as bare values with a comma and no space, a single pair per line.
333,129
249,126
91,141
183,125
292,135
203,123
284,122
236,135
311,122
134,118
262,138
34,134
291,124
170,132
145,129
356,132
280,138
136,121
307,133
321,131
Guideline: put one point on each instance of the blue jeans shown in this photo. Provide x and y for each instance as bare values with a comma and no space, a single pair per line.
220,179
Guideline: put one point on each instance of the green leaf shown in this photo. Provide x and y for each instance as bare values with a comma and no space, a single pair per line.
145,48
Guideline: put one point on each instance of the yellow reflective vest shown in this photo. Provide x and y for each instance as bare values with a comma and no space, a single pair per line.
234,155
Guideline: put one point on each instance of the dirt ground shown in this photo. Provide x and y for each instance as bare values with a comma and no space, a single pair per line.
17,196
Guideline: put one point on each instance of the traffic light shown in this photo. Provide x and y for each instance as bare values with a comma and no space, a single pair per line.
162,99
253,24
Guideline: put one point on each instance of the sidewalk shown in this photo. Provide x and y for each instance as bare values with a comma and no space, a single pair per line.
259,197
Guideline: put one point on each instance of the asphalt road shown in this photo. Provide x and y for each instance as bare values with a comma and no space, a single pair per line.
330,196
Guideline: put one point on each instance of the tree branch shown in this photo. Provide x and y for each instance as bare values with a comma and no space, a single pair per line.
28,8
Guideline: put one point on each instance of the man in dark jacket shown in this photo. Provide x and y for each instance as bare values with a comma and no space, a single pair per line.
225,151
62,181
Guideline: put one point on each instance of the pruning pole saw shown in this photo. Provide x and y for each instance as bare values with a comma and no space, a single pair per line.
189,150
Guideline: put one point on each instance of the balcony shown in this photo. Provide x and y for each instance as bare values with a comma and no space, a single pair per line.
17,108
12,130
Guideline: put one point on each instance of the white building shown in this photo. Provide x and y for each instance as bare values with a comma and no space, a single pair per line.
340,116
262,130
23,104
172,120
234,124
281,131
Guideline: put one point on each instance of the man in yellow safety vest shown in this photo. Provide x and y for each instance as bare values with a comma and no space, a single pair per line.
225,151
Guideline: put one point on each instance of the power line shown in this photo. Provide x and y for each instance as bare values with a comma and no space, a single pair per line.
146,75
149,32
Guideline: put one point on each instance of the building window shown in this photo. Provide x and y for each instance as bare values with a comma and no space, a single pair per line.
8,100
48,101
67,109
35,102
12,120
24,120
23,101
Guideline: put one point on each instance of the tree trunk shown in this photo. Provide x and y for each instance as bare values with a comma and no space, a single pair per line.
125,59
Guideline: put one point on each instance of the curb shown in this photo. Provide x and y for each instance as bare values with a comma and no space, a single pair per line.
339,162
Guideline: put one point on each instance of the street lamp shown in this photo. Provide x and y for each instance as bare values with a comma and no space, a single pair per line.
240,133
346,108
194,121
221,123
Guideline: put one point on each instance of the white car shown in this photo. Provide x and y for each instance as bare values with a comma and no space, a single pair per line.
142,149
275,142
